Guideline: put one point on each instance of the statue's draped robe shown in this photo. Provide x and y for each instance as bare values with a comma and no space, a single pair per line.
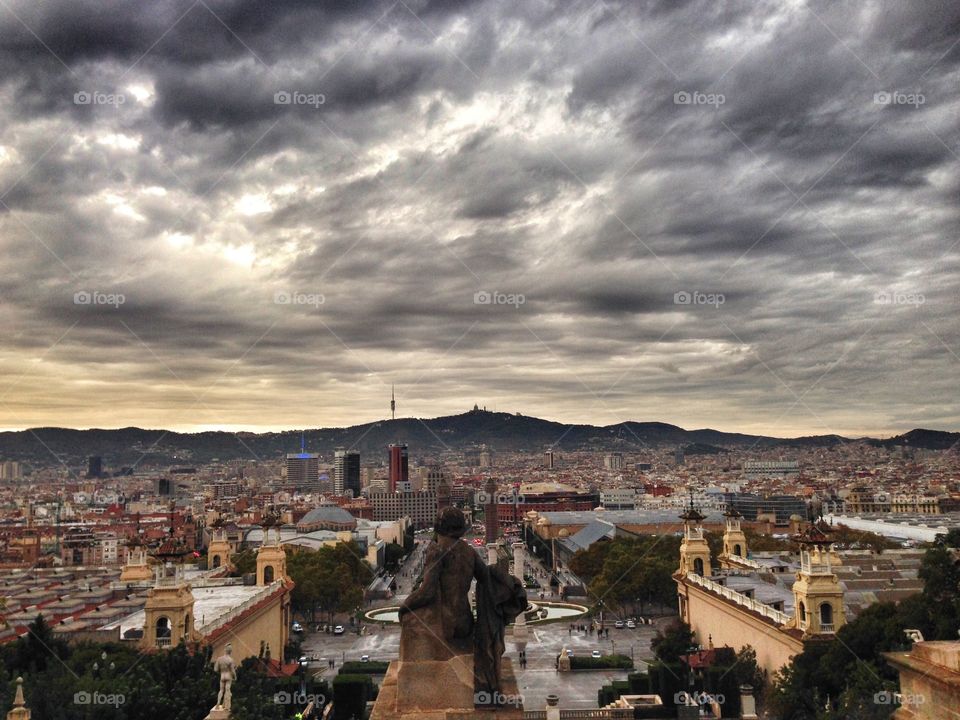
500,599
441,602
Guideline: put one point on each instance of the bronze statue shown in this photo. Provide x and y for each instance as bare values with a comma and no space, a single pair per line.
436,619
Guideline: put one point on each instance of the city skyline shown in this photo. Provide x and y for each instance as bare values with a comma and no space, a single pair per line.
739,217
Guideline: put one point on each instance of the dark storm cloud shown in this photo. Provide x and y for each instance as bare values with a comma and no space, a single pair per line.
694,212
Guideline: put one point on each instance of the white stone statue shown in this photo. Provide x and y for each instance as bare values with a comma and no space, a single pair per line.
227,668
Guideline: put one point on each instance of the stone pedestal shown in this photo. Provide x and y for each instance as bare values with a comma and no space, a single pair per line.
218,713
441,690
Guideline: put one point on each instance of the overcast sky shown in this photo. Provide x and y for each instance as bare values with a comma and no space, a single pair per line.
741,215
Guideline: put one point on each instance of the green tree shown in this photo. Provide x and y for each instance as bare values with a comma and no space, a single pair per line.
393,555
672,642
244,563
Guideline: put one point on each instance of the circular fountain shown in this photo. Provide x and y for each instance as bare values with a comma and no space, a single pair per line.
538,612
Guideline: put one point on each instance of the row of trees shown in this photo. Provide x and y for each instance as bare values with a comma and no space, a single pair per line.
632,573
328,581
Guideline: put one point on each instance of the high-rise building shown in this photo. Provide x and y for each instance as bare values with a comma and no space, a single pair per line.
486,457
548,460
94,466
399,479
613,461
756,469
435,476
303,470
346,472
10,470
420,507
678,456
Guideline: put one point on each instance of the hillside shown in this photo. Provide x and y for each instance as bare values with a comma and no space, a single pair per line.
500,431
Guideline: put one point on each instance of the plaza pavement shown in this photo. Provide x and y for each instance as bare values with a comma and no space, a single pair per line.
577,690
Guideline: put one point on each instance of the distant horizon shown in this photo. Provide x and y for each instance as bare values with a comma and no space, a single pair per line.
261,430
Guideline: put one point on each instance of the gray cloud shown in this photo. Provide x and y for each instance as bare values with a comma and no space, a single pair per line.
283,264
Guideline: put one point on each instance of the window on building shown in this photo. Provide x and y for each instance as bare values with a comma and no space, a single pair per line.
268,575
826,614
163,627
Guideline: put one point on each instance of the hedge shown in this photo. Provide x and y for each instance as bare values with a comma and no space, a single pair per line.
355,667
605,662
350,696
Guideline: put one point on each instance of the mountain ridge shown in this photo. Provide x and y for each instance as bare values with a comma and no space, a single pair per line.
450,433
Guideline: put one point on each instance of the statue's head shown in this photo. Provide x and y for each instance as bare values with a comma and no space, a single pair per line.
451,523
228,649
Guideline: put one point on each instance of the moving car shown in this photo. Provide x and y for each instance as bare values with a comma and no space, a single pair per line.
297,627
595,654
631,625
338,630
618,624
364,658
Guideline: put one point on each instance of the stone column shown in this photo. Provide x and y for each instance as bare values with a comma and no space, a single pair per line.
491,553
518,560
748,704
520,632
553,707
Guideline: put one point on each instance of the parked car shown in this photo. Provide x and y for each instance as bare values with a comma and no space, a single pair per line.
596,654
618,624
631,625
364,658
338,630
303,660
297,627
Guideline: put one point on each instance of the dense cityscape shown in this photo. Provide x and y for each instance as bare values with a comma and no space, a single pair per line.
298,562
